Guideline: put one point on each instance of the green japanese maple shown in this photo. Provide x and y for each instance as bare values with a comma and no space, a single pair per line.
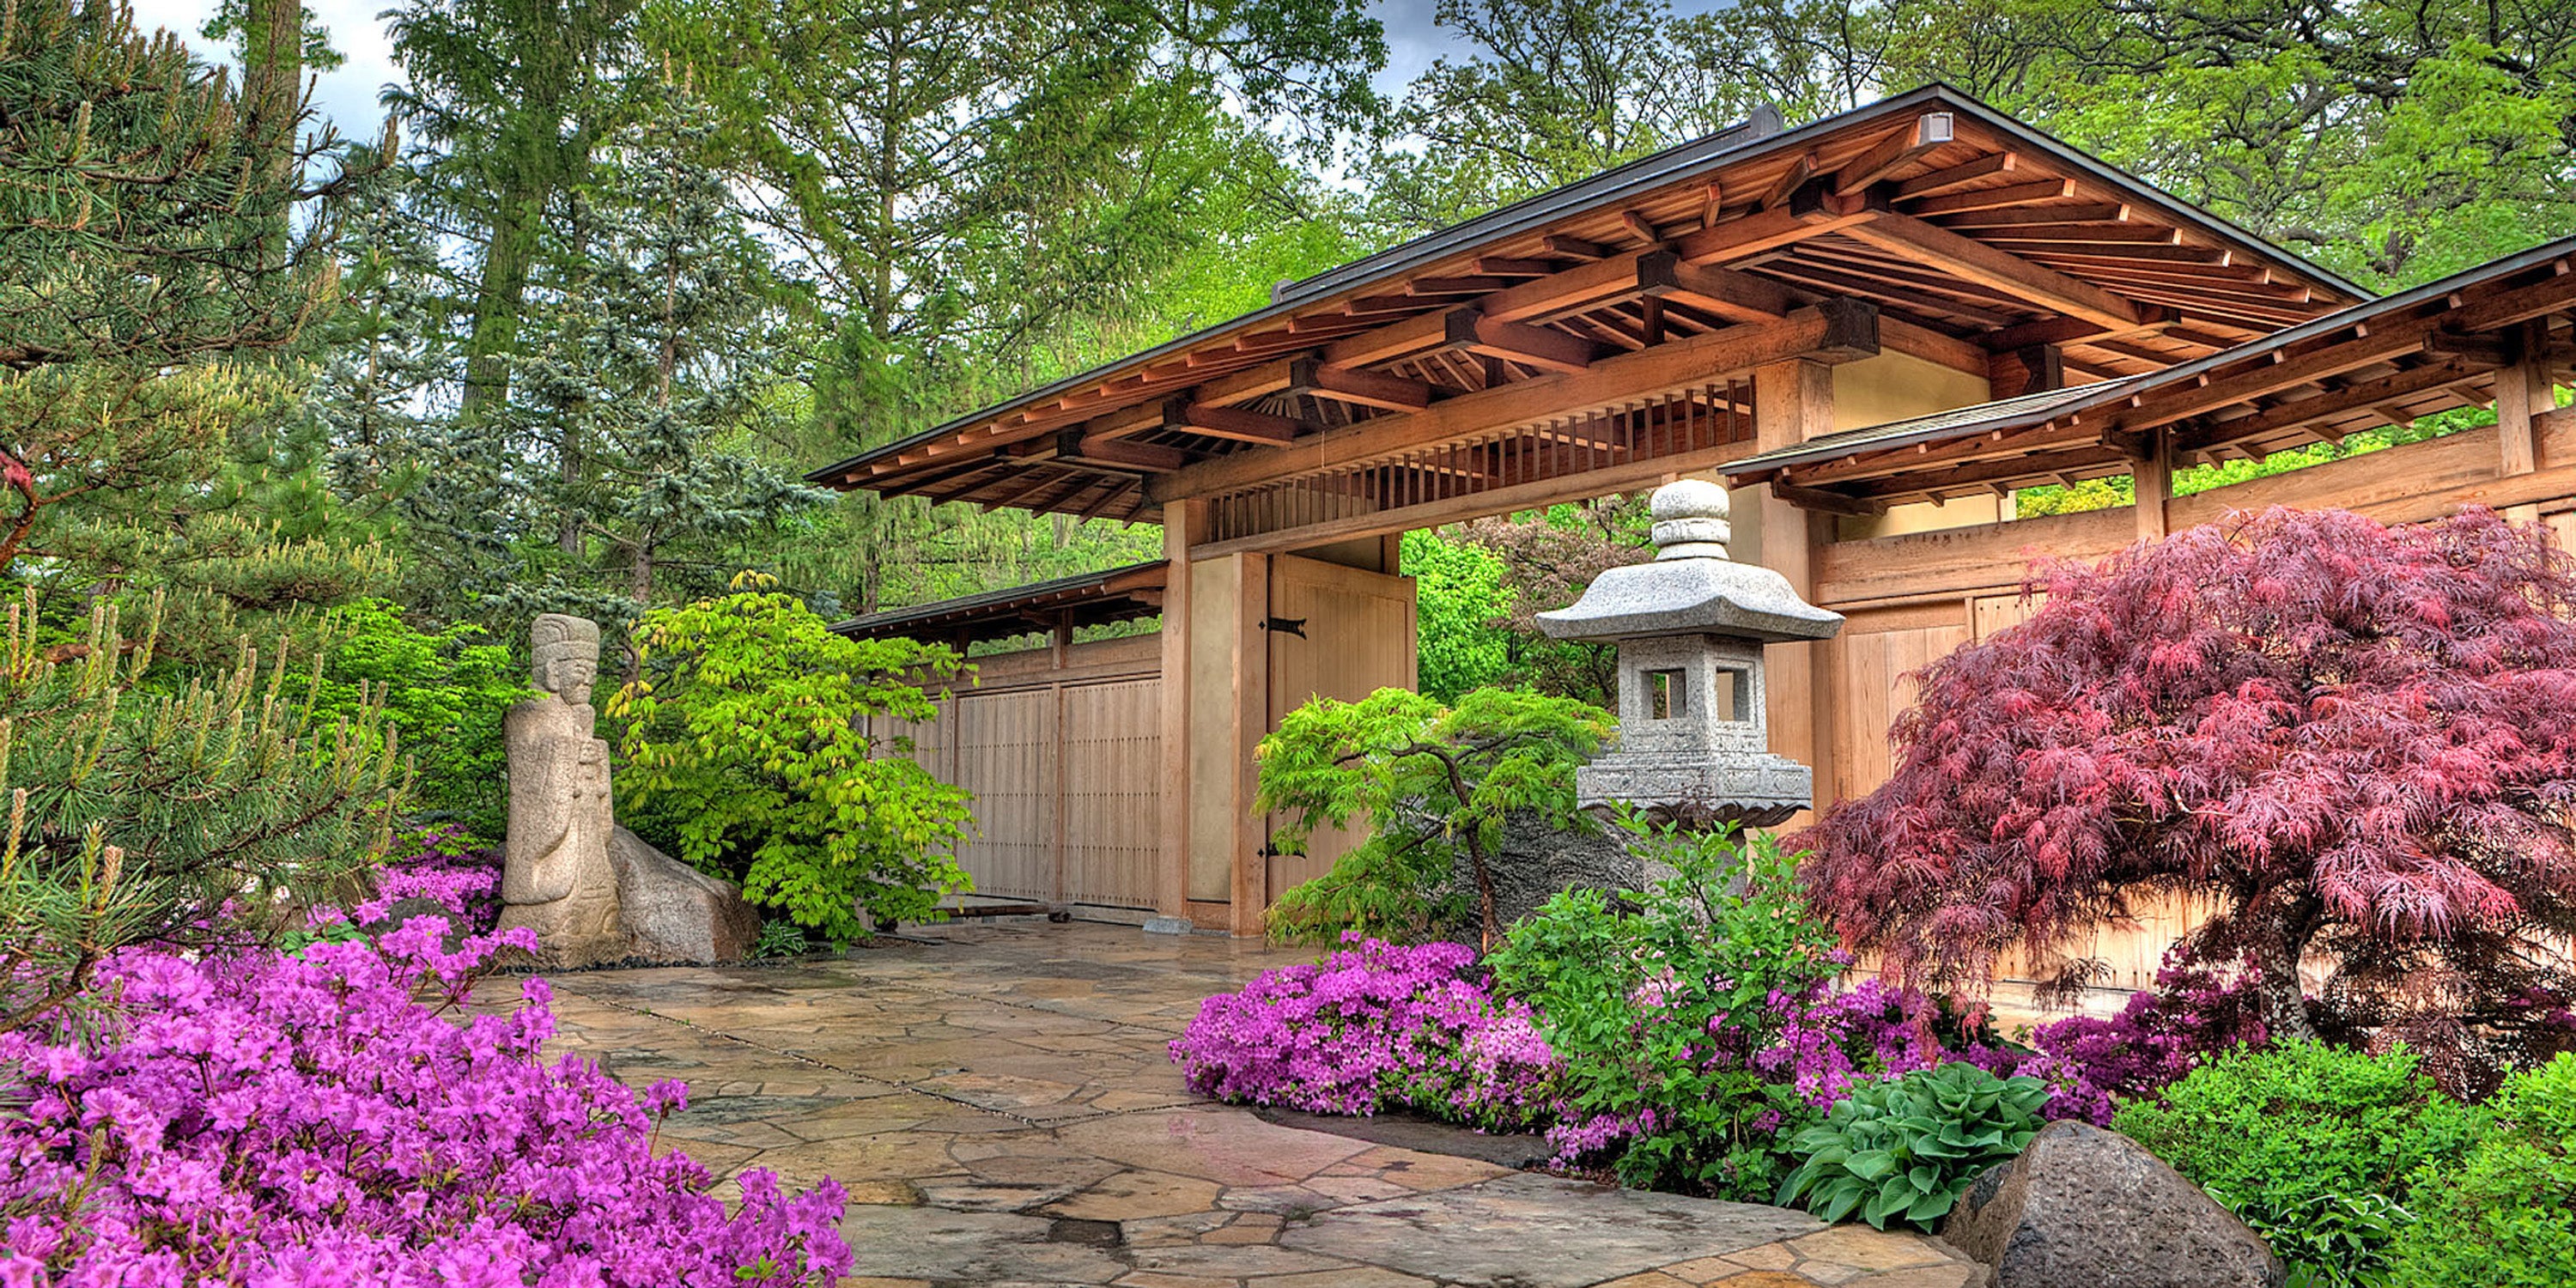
748,727
1434,783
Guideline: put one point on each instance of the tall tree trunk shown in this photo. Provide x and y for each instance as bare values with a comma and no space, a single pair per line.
2278,928
501,290
272,40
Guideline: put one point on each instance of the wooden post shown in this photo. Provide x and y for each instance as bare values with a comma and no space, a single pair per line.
2152,472
1792,402
1251,887
1181,523
2522,391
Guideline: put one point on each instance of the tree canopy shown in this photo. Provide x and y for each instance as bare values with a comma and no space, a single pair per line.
2356,739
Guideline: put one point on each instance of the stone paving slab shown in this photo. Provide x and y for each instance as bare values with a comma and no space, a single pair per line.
999,1102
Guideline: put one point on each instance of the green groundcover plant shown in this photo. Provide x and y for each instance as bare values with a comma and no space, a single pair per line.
1905,1150
2311,1144
2503,1216
1659,1012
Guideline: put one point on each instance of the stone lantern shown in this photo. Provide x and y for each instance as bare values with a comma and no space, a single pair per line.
1690,625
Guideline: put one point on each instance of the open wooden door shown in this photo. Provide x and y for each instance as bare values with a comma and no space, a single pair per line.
1353,635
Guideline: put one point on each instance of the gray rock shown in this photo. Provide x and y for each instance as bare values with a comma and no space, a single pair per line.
1537,861
2088,1208
675,913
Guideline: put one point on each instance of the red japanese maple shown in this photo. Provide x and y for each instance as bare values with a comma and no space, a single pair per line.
2361,739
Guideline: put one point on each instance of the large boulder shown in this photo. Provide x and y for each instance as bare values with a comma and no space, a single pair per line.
674,913
1538,860
2088,1208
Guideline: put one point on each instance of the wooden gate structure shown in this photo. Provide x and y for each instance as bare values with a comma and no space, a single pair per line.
1878,326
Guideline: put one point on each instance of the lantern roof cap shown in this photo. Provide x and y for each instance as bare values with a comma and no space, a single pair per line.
1690,587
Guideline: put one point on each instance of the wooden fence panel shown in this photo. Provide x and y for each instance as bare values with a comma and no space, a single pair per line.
1006,755
1064,760
1113,791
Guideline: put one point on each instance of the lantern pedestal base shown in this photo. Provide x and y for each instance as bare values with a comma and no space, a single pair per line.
1755,790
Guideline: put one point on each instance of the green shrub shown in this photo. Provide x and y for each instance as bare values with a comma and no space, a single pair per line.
1435,784
1904,1150
749,725
2505,1215
443,692
153,805
2298,1138
1655,1012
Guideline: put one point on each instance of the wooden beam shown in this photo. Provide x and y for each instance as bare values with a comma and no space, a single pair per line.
1964,356
1575,247
1641,227
1584,286
1912,239
927,479
2151,473
2091,212
1236,423
1519,342
1936,182
2550,295
2523,391
2293,414
1153,458
2181,402
2091,234
1803,217
1926,132
2486,350
1734,296
1795,177
1357,386
2011,194
1500,266
1831,332
1810,498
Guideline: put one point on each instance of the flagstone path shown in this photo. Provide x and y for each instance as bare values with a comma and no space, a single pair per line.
1000,1105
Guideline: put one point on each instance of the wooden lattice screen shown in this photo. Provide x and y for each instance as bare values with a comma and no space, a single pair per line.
1683,424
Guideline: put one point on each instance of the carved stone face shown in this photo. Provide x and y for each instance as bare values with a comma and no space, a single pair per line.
570,678
566,651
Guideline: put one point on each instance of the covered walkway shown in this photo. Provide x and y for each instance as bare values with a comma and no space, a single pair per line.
998,1102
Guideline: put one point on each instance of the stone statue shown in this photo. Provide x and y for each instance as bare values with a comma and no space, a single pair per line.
556,876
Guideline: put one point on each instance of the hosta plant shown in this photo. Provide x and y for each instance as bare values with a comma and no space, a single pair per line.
1905,1150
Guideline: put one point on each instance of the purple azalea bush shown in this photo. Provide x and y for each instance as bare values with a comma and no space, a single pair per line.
1374,1026
331,1118
442,868
1832,1039
2091,1065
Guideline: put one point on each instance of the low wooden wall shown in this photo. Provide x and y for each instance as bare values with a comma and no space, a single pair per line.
1064,756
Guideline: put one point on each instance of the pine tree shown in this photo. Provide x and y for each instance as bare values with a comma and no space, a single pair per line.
622,464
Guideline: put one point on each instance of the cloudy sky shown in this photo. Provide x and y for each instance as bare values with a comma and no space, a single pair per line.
348,96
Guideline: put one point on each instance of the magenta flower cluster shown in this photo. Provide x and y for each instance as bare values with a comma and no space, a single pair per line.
1373,1026
260,1119
1831,1040
462,879
2195,1011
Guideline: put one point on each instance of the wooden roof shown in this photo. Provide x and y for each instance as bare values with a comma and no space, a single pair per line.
2386,361
1964,236
1088,599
